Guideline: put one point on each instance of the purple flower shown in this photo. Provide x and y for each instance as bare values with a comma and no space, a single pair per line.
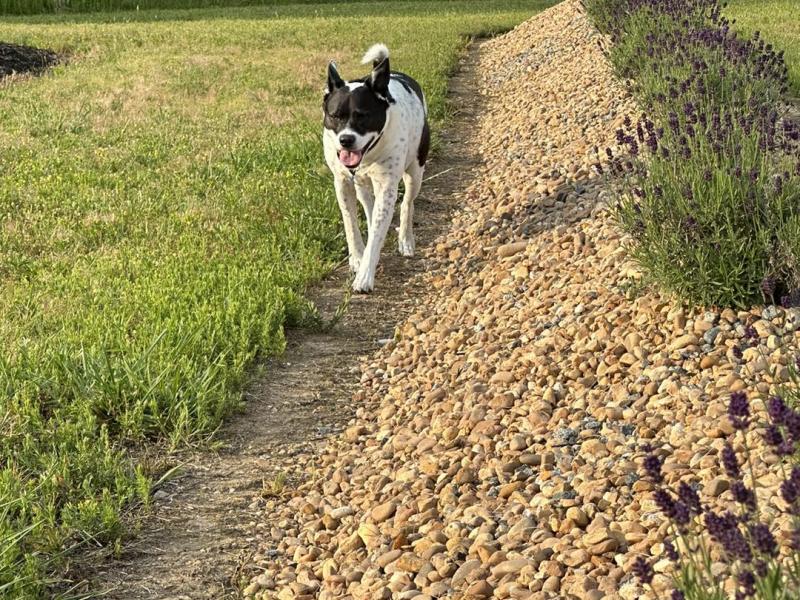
643,570
730,462
794,540
792,423
677,595
777,410
790,488
763,540
652,465
748,582
669,550
789,491
743,495
689,497
737,352
750,333
681,514
773,436
664,502
725,530
739,410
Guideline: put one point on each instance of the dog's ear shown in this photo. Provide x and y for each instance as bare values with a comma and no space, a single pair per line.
334,79
379,80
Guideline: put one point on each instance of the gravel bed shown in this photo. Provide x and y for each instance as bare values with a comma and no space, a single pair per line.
498,441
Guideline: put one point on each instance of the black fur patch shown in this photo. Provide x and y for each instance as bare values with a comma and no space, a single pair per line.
409,84
424,144
360,110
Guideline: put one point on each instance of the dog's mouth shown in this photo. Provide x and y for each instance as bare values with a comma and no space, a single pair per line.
350,158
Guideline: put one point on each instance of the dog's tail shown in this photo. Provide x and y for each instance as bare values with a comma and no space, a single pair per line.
375,55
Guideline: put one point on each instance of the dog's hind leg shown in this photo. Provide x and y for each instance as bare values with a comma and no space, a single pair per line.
412,180
346,196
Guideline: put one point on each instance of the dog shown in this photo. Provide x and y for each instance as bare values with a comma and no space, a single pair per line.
375,134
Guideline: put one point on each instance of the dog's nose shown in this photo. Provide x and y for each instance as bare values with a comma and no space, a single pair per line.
347,140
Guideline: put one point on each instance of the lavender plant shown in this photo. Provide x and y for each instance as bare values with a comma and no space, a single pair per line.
761,560
710,174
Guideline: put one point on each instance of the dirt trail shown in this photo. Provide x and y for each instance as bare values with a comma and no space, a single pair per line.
201,530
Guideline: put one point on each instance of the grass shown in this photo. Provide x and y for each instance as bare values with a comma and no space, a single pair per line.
163,206
36,7
779,24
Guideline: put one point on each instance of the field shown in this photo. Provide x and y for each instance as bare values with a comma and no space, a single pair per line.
163,206
779,24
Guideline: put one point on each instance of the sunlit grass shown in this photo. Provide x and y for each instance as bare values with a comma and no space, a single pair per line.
163,205
779,23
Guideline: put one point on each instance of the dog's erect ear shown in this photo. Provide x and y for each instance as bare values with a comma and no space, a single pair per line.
379,80
334,80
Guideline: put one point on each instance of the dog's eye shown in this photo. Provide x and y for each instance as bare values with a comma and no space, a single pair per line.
357,114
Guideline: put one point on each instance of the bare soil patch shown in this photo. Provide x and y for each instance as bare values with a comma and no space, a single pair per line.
16,59
203,529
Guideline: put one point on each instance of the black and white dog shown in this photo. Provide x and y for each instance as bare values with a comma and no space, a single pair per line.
376,133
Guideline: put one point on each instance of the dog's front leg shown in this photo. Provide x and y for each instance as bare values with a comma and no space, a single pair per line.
366,197
346,196
382,214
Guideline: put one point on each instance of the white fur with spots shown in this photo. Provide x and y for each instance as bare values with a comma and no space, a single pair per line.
374,184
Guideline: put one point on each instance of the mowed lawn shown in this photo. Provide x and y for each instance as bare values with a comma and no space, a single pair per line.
163,206
778,22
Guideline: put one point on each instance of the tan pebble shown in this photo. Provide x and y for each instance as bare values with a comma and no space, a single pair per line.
552,584
383,511
717,486
509,566
461,574
507,250
682,342
480,589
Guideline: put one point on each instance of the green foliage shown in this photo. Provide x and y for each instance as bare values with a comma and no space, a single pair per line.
711,192
163,206
34,7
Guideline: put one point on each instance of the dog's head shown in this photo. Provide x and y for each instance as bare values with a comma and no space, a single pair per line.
355,112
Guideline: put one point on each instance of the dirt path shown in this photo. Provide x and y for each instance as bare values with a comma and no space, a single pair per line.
201,530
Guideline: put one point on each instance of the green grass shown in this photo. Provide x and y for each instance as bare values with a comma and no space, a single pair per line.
778,22
163,206
34,7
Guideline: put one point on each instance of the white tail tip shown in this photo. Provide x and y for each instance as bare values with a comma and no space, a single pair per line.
375,54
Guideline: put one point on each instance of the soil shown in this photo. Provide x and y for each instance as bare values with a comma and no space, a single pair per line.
200,532
16,59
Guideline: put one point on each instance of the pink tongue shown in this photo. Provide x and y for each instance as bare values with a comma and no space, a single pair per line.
349,158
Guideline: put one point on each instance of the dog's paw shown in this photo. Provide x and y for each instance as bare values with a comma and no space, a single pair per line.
355,262
363,283
406,246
